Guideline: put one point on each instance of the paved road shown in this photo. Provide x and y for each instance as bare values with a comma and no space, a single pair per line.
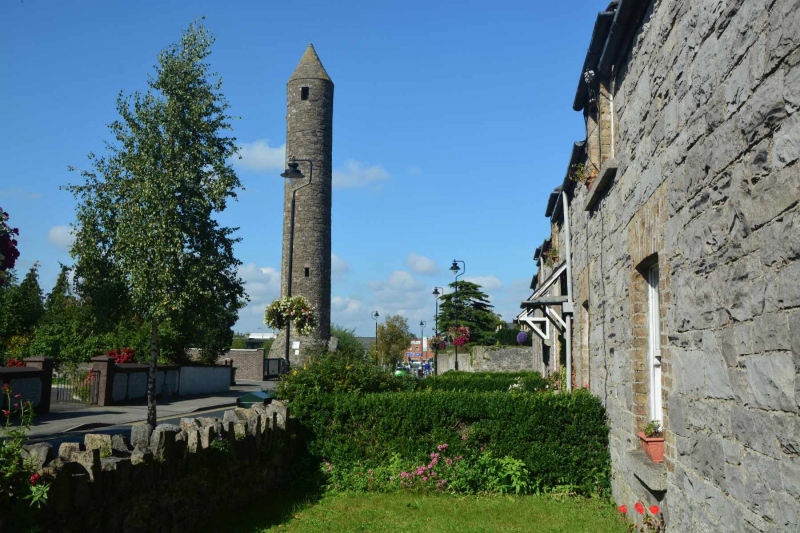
119,429
70,422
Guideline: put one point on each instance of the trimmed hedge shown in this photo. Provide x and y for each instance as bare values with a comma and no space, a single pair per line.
561,438
484,381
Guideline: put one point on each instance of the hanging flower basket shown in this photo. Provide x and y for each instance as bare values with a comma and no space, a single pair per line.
458,336
438,343
291,308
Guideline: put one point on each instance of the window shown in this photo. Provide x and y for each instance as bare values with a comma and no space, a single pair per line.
654,344
307,272
303,93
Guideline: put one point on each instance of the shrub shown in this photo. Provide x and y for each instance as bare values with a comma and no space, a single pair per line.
559,439
332,373
485,381
19,481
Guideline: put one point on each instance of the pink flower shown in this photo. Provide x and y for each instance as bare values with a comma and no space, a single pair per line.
639,507
18,396
623,509
463,437
6,413
424,478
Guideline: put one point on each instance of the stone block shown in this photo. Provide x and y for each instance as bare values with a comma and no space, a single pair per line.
40,454
90,461
162,441
756,430
206,435
189,423
240,429
66,449
120,446
141,456
193,439
140,436
94,441
771,379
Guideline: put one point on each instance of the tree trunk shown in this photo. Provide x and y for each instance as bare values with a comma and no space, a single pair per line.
151,378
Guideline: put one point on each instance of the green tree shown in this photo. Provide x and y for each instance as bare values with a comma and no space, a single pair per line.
471,308
394,338
239,341
349,345
146,212
24,308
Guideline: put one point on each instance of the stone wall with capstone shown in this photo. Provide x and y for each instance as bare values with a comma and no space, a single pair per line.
173,479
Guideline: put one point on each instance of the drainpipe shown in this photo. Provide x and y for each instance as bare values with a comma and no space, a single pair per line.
568,306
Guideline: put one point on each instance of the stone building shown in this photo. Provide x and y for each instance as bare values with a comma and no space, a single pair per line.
671,280
309,139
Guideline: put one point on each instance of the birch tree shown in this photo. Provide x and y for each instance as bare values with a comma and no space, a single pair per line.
145,215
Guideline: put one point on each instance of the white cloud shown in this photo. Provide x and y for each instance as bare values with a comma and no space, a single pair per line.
20,193
356,174
262,285
419,264
259,155
338,266
487,283
343,306
61,236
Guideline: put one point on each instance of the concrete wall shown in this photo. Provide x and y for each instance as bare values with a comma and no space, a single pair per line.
204,379
706,143
32,382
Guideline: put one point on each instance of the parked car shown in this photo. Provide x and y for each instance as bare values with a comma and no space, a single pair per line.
401,370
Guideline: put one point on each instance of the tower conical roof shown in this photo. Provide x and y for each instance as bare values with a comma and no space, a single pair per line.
310,67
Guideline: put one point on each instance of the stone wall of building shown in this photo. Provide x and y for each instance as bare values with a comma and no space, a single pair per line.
703,158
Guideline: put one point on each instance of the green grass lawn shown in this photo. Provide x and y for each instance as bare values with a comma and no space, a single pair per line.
403,511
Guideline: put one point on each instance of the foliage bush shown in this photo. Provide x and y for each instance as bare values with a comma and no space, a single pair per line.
485,381
561,440
21,487
346,372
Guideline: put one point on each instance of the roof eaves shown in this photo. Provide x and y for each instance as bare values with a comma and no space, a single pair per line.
596,46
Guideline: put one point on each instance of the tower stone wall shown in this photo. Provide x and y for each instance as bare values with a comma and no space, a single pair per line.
309,135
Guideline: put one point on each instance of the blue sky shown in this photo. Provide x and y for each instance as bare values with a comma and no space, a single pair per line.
451,127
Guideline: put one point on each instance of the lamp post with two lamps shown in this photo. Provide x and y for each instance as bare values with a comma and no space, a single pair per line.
436,294
455,269
293,173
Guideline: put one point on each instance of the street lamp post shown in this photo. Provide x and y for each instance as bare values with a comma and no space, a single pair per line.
293,173
422,343
436,294
454,268
375,316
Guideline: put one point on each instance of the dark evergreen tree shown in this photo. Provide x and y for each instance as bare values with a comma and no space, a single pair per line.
469,307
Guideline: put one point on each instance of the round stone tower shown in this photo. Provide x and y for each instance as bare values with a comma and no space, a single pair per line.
309,132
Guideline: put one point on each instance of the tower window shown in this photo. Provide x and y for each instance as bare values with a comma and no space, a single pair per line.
307,272
303,93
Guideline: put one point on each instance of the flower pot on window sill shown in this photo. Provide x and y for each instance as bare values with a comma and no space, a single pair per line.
653,447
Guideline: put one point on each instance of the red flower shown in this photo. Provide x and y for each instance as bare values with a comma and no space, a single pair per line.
654,509
623,509
6,413
639,507
35,479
